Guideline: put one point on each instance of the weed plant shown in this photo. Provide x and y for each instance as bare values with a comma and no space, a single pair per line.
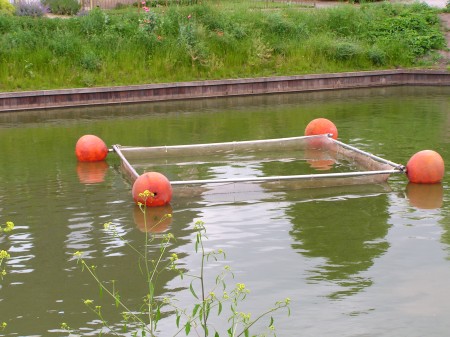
211,40
207,302
4,255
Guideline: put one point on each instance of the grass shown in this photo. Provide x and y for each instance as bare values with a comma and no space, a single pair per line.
223,39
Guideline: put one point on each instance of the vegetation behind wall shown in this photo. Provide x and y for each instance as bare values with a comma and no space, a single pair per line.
214,40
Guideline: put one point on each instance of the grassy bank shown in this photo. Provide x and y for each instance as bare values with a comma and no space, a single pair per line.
214,40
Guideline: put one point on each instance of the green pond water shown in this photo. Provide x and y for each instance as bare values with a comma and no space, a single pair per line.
366,260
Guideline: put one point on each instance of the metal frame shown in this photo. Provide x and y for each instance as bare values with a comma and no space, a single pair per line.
131,172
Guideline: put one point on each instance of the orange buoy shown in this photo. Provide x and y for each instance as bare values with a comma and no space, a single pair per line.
90,148
158,186
153,219
321,126
92,172
425,167
425,196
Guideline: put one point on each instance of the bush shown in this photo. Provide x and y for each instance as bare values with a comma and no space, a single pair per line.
34,9
346,50
94,23
377,56
6,8
90,61
63,7
447,8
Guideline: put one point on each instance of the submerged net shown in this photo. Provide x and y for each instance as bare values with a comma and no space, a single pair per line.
252,166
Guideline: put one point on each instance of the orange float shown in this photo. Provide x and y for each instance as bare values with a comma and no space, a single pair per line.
158,186
425,167
92,172
425,196
90,148
153,219
321,126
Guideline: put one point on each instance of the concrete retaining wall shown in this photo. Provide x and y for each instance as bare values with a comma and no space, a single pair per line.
12,101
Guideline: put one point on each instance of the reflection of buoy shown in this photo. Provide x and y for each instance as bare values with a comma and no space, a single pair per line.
425,167
155,219
90,148
158,186
425,196
321,126
92,172
319,160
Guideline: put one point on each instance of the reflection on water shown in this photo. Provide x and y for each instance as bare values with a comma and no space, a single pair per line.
153,219
92,172
346,243
360,260
425,196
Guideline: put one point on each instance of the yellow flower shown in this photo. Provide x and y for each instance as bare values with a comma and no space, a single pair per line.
9,226
88,302
4,255
77,254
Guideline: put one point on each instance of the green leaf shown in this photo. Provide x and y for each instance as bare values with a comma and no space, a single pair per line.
178,320
216,334
271,321
117,299
220,309
187,328
196,307
208,309
191,288
196,243
158,315
246,333
151,289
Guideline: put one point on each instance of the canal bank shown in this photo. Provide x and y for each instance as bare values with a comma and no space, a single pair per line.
45,99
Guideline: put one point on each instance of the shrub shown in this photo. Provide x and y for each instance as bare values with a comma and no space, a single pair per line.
63,7
90,61
346,50
34,9
377,56
6,8
95,22
447,8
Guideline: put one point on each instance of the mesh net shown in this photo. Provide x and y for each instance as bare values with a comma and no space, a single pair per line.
252,166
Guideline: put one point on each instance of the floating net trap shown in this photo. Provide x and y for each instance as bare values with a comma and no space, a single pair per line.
318,161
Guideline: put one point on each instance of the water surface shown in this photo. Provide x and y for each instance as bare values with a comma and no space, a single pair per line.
370,260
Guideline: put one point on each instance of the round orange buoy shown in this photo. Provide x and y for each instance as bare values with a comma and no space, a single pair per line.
425,196
321,126
92,172
158,186
425,167
153,219
91,148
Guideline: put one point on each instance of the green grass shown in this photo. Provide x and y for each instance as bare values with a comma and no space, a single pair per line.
226,39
